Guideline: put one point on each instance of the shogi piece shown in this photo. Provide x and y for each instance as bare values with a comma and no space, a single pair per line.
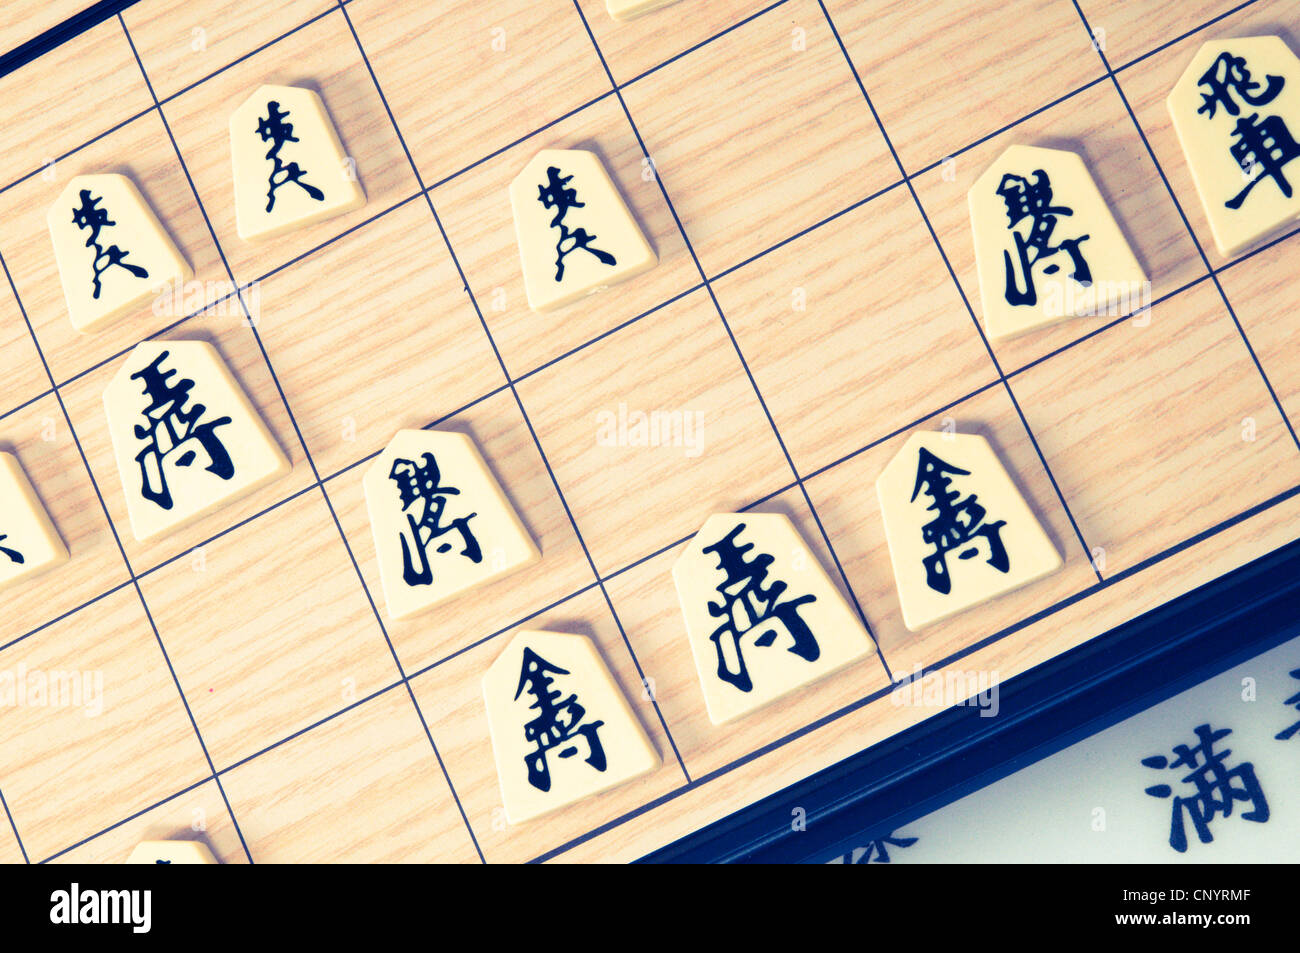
762,616
1046,246
29,543
576,235
171,852
959,532
186,439
441,523
112,253
289,166
627,9
1236,110
561,728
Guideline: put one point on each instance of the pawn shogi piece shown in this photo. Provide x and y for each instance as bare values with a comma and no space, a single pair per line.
113,255
1236,110
289,167
561,728
1046,246
762,616
576,236
958,530
171,852
29,543
441,523
186,438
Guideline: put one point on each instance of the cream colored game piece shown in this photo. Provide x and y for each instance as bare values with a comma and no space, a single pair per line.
561,728
29,543
627,9
762,616
1236,110
289,166
1046,246
576,235
441,523
959,532
113,255
171,852
186,439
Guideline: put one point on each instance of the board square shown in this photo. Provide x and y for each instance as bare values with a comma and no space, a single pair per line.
1262,290
667,430
87,100
364,787
503,438
475,210
1147,465
25,374
1125,30
425,353
182,42
322,57
646,602
760,134
111,727
1095,126
451,696
232,632
943,76
502,71
141,151
38,436
841,361
850,511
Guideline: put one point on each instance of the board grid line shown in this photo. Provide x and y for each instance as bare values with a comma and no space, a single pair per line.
1110,580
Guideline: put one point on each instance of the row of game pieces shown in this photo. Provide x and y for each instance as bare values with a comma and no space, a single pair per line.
762,618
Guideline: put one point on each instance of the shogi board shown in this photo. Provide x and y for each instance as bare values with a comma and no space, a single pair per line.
815,302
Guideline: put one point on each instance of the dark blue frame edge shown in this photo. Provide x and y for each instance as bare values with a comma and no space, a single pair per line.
1071,697
63,32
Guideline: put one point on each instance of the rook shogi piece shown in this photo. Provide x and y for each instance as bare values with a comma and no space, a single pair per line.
959,532
576,236
186,438
762,616
289,167
29,543
1236,110
171,852
440,521
1046,246
561,728
113,255
627,9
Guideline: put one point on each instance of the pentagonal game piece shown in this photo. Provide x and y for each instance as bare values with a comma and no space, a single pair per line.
959,532
762,616
561,728
627,9
1046,246
441,523
113,255
29,543
171,852
1236,110
576,235
289,167
186,438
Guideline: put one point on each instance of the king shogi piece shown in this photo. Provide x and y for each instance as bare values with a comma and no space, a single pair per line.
113,255
1236,111
561,728
1046,246
958,530
186,438
762,616
441,523
290,170
576,236
29,543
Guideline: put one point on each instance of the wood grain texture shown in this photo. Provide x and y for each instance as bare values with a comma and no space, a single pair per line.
841,311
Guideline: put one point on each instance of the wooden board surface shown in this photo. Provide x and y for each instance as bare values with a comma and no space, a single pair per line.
816,301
